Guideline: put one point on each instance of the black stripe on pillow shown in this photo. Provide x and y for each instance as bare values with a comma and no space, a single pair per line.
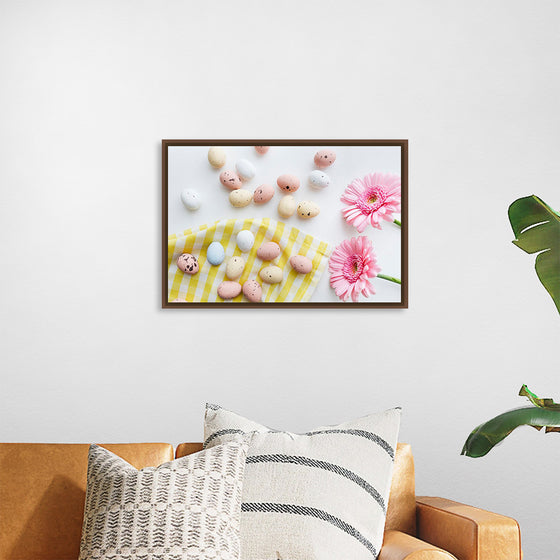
360,433
311,512
315,463
221,433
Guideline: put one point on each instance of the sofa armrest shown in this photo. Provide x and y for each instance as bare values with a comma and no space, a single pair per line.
401,546
467,532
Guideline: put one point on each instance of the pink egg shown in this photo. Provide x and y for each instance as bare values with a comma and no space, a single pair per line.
268,251
324,158
301,264
262,149
252,290
288,183
230,180
187,263
263,194
229,290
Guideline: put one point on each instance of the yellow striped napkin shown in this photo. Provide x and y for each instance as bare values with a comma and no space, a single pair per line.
203,286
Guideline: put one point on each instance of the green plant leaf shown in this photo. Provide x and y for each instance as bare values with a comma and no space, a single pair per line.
536,227
537,401
483,438
544,413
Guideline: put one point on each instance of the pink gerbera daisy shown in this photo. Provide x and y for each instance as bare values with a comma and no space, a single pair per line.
372,199
351,265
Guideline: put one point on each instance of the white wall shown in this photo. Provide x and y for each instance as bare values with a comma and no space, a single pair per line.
88,91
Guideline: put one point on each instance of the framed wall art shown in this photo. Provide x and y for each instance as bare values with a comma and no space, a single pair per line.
292,223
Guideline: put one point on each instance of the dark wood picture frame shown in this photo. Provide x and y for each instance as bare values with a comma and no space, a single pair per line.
403,144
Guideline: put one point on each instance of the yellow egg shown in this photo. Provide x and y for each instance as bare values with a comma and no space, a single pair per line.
216,157
307,209
234,267
271,274
240,198
287,206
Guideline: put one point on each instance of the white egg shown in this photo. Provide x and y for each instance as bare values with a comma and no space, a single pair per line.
245,240
245,169
319,180
191,199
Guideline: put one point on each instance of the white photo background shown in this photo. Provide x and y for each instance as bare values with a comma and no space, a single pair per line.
188,168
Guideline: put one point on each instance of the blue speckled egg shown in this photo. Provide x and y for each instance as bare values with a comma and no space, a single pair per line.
215,253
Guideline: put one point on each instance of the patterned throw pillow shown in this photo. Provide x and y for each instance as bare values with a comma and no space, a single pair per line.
186,509
316,496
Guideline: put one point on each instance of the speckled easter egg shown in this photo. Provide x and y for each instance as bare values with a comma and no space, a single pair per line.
230,180
288,183
245,169
187,263
234,267
245,240
271,274
319,179
324,158
307,209
268,251
217,157
229,290
263,194
191,199
287,206
261,150
215,253
252,290
301,264
240,198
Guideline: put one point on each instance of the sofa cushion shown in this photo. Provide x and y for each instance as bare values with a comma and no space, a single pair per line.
42,492
401,510
322,494
186,509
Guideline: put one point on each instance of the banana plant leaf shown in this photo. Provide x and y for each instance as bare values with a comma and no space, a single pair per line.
536,227
544,413
537,401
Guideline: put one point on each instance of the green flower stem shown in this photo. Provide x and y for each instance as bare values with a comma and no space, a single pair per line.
390,278
398,222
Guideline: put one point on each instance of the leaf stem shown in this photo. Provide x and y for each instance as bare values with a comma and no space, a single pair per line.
398,222
390,278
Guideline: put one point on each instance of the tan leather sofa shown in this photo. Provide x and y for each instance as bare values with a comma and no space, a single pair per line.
42,491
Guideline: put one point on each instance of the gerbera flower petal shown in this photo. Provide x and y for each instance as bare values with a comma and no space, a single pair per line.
372,199
351,266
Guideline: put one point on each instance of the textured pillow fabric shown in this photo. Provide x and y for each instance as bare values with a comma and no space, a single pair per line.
185,509
321,495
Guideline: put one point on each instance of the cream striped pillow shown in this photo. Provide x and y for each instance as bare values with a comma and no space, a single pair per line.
316,496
